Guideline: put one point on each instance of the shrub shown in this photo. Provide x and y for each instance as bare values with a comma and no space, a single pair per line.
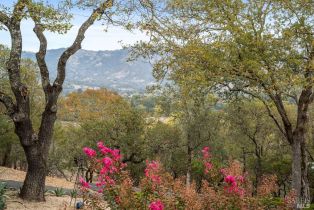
59,192
222,188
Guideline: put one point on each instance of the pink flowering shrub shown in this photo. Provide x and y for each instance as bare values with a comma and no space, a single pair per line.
89,152
84,185
156,205
152,170
158,190
206,160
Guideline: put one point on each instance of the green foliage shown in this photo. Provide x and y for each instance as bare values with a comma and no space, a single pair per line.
52,18
73,193
95,115
164,142
145,103
2,196
59,192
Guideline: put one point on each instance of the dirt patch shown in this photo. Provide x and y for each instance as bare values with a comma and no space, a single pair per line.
16,175
52,203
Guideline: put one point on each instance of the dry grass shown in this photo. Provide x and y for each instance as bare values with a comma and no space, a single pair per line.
16,175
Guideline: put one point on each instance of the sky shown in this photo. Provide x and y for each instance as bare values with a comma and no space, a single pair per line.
96,37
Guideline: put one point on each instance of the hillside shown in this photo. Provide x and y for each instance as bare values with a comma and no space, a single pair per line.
95,69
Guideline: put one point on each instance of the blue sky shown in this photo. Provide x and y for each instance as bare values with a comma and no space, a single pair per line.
96,38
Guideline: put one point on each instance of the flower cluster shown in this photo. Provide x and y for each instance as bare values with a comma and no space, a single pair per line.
158,190
156,205
89,152
84,185
233,182
206,160
108,167
152,170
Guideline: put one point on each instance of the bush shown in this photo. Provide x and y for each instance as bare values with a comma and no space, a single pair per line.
158,190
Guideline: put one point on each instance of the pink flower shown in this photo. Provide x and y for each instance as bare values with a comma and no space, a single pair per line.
154,165
100,145
223,171
105,150
205,152
99,184
230,179
152,168
156,205
107,161
116,154
208,166
89,152
233,186
84,183
104,170
155,178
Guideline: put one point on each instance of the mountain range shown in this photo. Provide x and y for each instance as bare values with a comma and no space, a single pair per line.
100,69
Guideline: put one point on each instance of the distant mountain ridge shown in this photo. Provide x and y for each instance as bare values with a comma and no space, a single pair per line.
97,69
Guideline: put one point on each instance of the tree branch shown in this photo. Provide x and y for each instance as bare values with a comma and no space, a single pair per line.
4,19
40,56
18,10
265,104
277,100
77,44
13,64
8,103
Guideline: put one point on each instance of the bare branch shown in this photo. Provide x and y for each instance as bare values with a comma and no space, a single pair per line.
13,64
40,56
77,43
274,118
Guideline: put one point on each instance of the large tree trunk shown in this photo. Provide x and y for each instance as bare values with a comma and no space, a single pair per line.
34,183
296,167
300,181
37,156
296,138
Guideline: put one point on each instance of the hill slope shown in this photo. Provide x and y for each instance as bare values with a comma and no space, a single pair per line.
95,69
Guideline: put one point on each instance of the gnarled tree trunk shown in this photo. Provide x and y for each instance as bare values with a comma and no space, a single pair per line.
34,183
36,146
37,156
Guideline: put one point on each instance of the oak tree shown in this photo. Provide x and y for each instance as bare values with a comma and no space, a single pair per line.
260,49
36,144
